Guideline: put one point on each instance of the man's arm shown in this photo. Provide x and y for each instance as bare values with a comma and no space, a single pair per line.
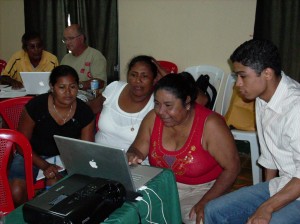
7,80
270,174
289,193
98,69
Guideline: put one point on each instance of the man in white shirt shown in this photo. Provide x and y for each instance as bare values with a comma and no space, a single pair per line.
258,68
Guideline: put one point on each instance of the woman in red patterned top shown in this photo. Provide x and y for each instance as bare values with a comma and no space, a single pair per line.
190,139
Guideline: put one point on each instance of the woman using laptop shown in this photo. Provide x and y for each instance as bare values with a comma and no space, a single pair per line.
58,112
189,139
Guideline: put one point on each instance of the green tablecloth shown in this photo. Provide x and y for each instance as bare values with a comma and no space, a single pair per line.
168,209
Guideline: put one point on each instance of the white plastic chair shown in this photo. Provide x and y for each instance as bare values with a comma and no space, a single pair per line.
249,136
215,74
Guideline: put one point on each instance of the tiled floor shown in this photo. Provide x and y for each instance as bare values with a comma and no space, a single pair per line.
245,176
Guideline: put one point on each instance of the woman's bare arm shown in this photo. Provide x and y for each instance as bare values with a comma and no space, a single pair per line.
139,149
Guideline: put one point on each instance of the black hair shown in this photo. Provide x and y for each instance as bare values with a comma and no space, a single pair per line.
258,55
61,71
30,35
181,85
147,60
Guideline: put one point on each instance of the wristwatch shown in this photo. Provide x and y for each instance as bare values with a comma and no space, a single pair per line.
80,85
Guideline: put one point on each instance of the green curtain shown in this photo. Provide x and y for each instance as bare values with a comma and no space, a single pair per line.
49,18
279,21
98,18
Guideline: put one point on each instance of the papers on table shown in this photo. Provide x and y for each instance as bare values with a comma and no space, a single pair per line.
7,92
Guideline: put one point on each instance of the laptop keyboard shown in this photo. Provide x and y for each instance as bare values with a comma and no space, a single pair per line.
136,177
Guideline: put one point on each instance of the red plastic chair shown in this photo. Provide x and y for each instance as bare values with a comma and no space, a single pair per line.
170,67
2,65
10,111
8,137
97,120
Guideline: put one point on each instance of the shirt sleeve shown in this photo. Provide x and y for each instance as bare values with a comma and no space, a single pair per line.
265,159
110,89
11,68
292,136
98,66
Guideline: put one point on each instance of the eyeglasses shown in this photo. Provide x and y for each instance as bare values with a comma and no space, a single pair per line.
68,39
34,46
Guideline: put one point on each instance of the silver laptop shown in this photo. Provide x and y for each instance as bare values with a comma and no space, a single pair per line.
35,82
95,160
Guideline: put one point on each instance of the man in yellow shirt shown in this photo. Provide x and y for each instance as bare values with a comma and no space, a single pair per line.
32,58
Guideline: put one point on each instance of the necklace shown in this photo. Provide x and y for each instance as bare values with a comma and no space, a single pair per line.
63,118
133,123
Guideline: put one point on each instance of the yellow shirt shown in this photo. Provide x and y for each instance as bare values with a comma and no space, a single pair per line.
20,62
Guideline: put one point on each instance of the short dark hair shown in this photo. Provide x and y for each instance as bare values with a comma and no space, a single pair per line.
147,60
181,85
258,55
61,71
30,35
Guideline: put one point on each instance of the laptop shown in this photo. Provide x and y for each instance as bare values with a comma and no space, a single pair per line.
35,83
96,160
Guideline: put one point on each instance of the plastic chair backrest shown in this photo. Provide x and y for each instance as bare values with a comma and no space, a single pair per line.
2,65
11,109
8,137
248,136
215,74
228,90
170,67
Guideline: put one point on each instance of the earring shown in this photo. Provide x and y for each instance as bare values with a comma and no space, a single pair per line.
188,107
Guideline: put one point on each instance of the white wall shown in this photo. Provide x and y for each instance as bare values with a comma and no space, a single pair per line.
12,27
189,32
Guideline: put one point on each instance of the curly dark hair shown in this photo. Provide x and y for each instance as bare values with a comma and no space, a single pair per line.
258,55
30,35
61,71
147,60
181,85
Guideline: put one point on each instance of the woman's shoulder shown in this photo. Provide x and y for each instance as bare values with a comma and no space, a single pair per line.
112,88
209,115
37,105
81,105
116,84
42,98
83,111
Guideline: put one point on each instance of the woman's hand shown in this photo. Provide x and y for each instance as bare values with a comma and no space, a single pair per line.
198,210
133,158
160,70
52,171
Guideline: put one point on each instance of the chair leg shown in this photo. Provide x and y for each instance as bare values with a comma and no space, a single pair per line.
256,169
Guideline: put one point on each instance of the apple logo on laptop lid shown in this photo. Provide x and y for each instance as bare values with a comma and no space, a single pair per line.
93,164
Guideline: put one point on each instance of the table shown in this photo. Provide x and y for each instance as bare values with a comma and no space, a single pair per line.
164,185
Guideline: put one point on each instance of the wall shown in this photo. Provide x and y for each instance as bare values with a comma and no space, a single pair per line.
12,27
187,32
